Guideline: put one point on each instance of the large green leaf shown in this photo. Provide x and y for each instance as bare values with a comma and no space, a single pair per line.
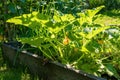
27,19
88,15
33,41
92,13
41,43
90,35
82,18
65,17
21,20
54,27
112,71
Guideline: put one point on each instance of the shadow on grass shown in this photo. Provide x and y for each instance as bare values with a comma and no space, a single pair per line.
112,13
7,73
10,74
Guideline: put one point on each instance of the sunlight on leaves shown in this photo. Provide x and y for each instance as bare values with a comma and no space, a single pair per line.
97,31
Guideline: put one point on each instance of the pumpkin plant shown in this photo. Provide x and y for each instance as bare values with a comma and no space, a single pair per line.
69,39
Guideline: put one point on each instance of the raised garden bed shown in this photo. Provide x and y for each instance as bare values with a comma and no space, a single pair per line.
38,66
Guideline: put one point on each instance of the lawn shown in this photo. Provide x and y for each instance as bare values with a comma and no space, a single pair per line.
7,73
109,17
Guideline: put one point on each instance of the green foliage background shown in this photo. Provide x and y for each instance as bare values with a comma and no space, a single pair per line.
109,4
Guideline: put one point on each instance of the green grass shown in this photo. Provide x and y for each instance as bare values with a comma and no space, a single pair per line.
109,17
11,73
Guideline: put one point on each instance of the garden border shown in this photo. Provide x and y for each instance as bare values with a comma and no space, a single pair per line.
45,70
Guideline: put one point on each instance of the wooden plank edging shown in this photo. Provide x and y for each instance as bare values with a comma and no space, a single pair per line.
48,71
